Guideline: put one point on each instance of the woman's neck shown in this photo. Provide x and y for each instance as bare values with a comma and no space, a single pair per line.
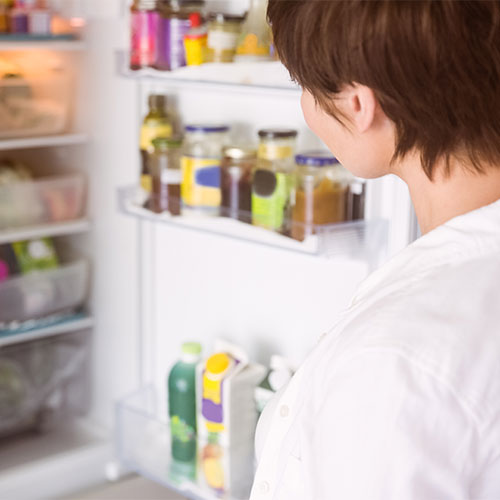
446,197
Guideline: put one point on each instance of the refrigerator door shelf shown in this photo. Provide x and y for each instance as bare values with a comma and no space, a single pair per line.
261,77
143,446
364,240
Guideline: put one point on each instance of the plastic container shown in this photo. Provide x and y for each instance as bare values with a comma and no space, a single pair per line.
203,145
223,33
237,168
42,383
182,403
167,175
42,201
42,293
321,193
33,106
273,180
195,41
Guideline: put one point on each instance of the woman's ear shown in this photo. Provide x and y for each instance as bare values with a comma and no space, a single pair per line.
361,106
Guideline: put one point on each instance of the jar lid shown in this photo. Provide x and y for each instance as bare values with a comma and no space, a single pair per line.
221,17
277,133
207,129
167,142
239,153
316,159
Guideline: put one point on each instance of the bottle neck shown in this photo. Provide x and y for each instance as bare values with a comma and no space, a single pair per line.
190,358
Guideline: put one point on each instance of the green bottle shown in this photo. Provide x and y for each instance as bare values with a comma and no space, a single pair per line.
182,403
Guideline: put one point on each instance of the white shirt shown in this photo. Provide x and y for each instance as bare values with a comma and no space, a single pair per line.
401,400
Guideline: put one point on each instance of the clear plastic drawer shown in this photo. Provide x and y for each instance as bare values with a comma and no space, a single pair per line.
42,201
42,293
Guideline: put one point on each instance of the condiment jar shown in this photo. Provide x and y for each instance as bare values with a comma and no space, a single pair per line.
274,180
321,191
237,168
201,166
223,33
167,176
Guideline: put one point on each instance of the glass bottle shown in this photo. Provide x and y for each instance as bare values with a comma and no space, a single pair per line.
182,403
255,40
273,179
157,123
144,17
166,173
223,33
321,193
201,161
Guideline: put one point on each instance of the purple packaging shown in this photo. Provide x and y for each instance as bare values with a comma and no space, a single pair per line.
170,53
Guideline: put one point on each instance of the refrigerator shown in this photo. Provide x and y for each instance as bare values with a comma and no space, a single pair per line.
153,282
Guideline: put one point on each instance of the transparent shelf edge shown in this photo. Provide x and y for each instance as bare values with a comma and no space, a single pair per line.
364,240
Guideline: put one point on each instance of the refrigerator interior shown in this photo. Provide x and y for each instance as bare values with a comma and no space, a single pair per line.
155,285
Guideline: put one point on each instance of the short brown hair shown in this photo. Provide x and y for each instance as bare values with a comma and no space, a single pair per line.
434,66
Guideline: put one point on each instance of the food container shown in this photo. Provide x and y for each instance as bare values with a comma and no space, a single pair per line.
237,168
321,193
42,293
32,106
223,34
41,201
41,383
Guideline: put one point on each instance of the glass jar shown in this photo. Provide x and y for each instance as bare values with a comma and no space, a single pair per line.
173,25
255,40
237,167
167,176
200,165
223,33
321,193
274,180
144,17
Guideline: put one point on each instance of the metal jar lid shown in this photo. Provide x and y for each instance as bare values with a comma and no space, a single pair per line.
206,128
316,159
239,153
277,133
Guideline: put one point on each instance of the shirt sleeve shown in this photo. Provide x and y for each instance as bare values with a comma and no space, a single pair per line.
387,429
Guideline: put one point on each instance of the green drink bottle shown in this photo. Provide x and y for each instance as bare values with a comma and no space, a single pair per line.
182,403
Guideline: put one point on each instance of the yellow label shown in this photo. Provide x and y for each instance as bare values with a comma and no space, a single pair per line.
214,427
149,132
200,182
274,152
212,390
147,183
195,49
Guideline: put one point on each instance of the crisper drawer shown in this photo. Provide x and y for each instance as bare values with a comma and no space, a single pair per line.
42,383
143,442
43,292
33,105
42,201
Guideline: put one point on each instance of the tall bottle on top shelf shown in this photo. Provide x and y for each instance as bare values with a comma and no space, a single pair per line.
157,123
144,19
182,403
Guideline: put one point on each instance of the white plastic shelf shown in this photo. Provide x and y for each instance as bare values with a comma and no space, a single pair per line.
364,240
43,141
143,446
256,77
79,323
44,230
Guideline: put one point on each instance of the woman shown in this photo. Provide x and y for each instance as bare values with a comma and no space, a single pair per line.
401,400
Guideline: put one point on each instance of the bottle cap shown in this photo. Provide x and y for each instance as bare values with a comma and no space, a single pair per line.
277,133
191,348
316,159
167,142
195,19
218,363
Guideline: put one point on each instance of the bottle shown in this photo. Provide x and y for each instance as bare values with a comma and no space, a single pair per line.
157,123
18,20
195,41
182,403
144,17
255,40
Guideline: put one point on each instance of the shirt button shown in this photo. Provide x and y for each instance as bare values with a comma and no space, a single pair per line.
264,487
284,411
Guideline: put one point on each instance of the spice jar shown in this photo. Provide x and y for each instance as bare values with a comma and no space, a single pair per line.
144,18
274,179
321,193
223,33
167,176
237,167
201,166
